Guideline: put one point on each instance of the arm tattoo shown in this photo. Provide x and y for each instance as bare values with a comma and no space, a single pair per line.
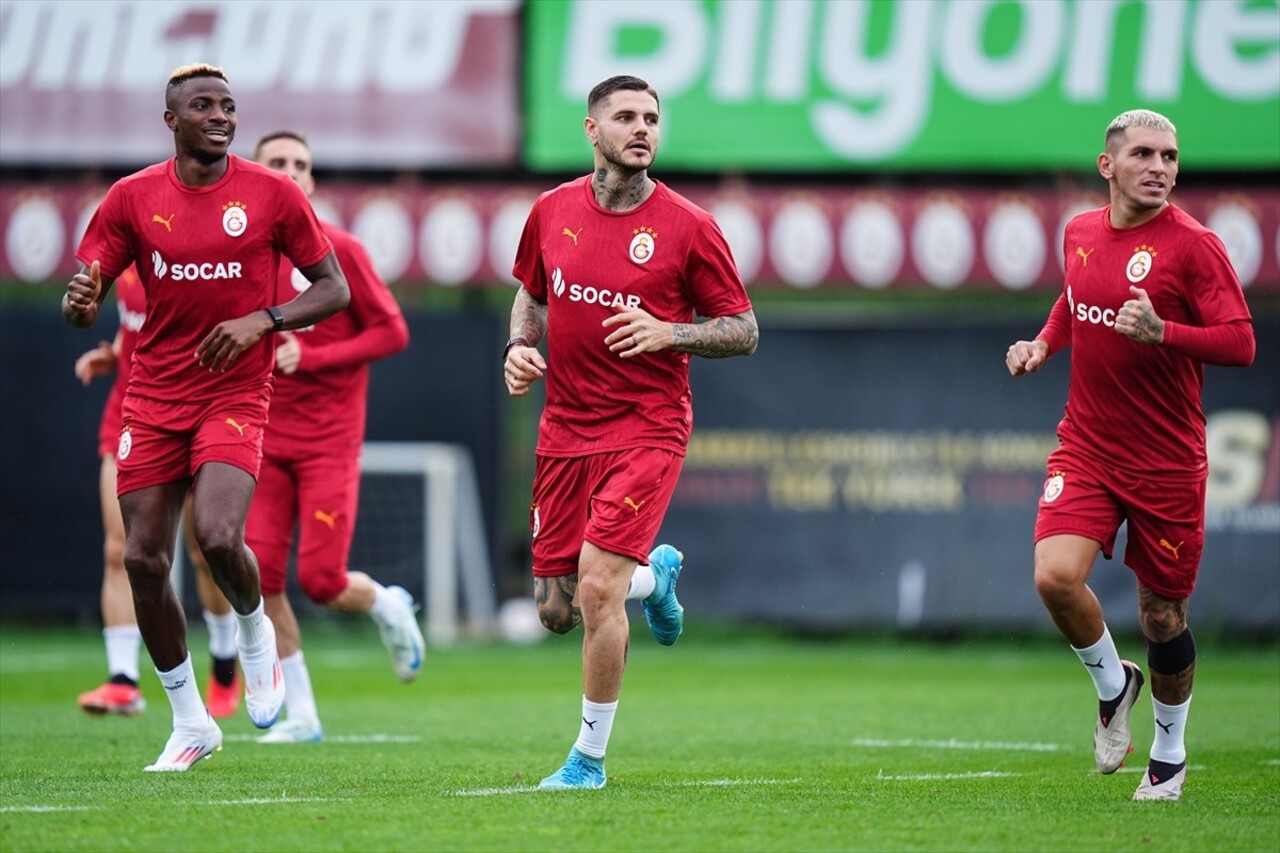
720,337
528,318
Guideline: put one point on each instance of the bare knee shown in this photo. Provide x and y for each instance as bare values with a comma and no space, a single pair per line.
113,553
219,542
1162,619
558,616
1055,581
146,569
555,598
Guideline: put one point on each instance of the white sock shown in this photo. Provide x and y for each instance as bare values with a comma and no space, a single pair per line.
597,723
642,583
384,603
254,629
222,634
123,643
184,695
1171,727
300,700
1102,662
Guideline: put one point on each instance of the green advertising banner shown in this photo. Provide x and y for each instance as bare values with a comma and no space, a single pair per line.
991,85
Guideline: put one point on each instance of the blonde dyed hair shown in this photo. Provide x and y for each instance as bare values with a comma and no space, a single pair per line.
183,73
1118,129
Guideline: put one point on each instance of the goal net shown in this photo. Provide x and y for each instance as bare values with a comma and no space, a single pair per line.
420,525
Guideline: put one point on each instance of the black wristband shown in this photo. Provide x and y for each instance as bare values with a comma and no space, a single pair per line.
513,342
277,319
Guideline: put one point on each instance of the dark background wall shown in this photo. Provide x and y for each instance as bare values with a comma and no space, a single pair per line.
849,474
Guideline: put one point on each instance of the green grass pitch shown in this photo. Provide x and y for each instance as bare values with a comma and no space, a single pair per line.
723,743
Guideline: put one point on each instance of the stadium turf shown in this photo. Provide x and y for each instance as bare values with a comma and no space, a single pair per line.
724,742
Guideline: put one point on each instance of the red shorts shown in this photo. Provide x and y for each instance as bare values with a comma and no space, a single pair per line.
109,426
162,441
1165,518
616,501
319,492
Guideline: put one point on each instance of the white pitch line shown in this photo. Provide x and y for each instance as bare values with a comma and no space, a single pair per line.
914,777
270,801
253,801
724,783
493,792
693,783
912,743
340,738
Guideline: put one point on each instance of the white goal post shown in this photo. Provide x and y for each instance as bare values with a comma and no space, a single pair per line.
454,546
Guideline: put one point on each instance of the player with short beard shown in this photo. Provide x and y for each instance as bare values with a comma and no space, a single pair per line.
206,230
616,268
310,476
1150,298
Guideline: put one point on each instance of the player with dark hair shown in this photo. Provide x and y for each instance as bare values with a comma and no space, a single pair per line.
120,694
1150,297
206,230
311,460
616,268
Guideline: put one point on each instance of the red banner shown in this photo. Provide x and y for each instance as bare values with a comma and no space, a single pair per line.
797,237
377,84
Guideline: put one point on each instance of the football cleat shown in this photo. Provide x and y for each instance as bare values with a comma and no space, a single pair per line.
263,680
294,730
580,771
1112,737
661,609
187,746
402,636
111,698
224,699
1162,781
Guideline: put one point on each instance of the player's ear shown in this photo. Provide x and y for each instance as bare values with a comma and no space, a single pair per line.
171,119
1105,166
589,125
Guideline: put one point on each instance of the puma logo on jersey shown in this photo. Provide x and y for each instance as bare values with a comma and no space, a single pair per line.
1164,543
231,422
330,521
167,223
1084,256
633,504
571,235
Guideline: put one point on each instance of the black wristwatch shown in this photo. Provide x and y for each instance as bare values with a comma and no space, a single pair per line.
277,319
514,342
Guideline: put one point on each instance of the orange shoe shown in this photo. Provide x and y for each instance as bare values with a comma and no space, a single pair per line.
223,701
123,699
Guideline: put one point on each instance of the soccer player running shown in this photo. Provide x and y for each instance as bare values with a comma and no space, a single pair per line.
206,229
1150,297
311,460
120,694
616,268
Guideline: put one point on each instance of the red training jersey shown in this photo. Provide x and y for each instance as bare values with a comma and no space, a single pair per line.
204,255
1138,406
131,302
324,401
667,257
